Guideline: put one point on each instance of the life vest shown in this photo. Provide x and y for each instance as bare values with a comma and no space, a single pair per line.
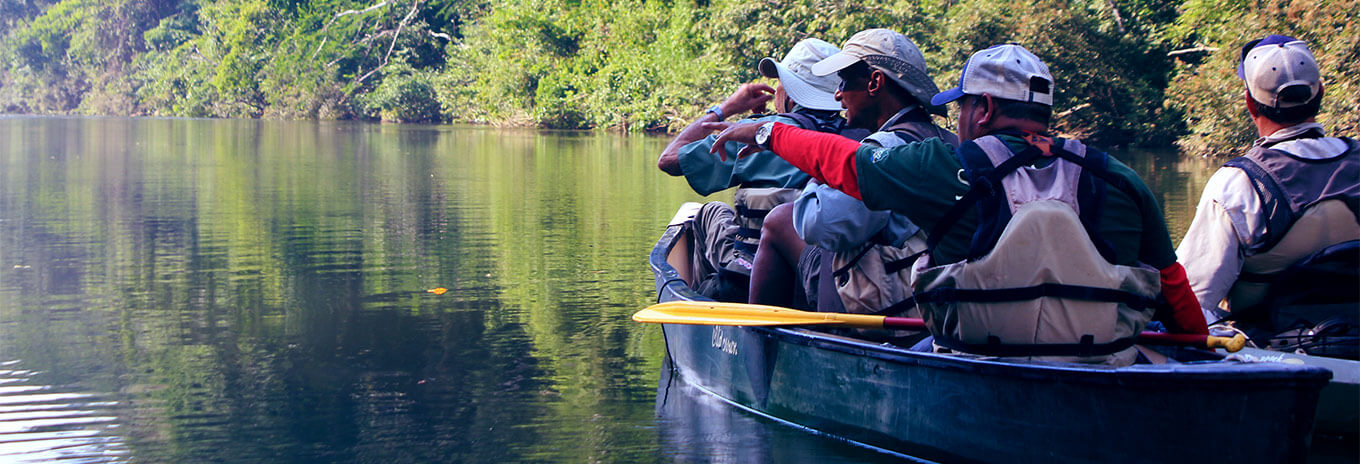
1309,204
911,126
876,278
752,204
1039,282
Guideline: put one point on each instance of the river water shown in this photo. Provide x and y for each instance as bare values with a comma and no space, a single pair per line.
259,292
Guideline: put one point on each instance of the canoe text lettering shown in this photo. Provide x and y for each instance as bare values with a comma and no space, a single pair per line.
723,342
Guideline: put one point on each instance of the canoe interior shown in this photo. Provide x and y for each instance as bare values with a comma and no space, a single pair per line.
971,409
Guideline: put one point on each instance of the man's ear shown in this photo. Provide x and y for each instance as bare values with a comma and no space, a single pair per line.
986,107
875,84
1253,108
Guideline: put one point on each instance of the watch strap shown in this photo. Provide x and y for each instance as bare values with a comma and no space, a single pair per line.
717,111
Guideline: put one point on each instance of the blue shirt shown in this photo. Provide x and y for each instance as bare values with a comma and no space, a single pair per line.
707,173
830,219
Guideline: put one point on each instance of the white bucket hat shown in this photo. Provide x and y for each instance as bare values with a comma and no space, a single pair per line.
891,52
1003,71
795,74
1275,63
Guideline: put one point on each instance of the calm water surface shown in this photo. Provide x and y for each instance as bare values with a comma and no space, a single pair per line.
256,291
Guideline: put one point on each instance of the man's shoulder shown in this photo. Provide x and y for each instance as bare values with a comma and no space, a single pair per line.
763,118
1311,149
929,155
803,120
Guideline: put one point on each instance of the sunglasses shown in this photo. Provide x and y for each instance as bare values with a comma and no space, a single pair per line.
860,80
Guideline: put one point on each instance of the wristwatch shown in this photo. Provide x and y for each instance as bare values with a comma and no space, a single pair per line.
717,111
763,135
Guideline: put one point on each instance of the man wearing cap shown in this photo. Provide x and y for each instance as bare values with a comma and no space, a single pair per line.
1293,193
847,257
1036,244
726,238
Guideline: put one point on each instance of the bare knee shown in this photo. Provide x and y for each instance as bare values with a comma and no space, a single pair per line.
778,225
777,234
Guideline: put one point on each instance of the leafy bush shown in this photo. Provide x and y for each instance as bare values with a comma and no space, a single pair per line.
405,96
1106,89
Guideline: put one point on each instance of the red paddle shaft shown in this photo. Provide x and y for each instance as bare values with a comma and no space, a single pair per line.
1150,338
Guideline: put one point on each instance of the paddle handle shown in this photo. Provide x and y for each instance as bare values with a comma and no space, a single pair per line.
908,323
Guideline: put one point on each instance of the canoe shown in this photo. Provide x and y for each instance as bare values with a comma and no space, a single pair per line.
960,408
1338,413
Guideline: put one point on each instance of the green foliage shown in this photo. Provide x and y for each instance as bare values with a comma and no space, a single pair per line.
1106,89
1209,92
635,64
405,95
226,58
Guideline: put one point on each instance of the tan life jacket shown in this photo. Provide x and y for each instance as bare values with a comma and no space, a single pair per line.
875,277
1322,225
752,204
1044,291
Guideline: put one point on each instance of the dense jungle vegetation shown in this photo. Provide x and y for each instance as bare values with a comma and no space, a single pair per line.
1129,71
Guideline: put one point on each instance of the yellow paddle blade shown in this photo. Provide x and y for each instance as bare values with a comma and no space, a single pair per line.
741,314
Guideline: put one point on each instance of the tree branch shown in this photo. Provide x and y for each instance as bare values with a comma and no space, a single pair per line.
1118,20
341,14
415,6
1186,51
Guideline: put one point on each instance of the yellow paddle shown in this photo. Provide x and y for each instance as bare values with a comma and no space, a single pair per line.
741,314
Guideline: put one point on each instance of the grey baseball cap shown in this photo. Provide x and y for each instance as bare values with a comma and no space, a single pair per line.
794,72
1006,71
891,52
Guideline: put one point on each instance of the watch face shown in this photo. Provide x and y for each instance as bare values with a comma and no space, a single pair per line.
763,134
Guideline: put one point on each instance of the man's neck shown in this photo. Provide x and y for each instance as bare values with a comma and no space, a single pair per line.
889,107
1022,125
1265,127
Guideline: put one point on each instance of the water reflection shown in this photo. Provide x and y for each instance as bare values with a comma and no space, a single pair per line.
1176,180
255,291
45,423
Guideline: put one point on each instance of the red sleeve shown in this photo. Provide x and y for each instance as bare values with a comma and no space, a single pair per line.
1185,308
828,157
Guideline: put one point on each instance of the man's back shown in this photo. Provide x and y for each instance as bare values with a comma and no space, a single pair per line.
924,181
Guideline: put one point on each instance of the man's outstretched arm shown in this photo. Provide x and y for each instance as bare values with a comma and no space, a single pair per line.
828,157
748,97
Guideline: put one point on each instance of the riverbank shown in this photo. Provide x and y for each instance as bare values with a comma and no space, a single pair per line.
1130,72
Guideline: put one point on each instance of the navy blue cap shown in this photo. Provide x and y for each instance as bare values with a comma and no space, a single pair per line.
951,94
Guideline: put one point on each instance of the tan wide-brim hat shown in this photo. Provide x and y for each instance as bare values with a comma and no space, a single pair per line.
795,74
892,53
